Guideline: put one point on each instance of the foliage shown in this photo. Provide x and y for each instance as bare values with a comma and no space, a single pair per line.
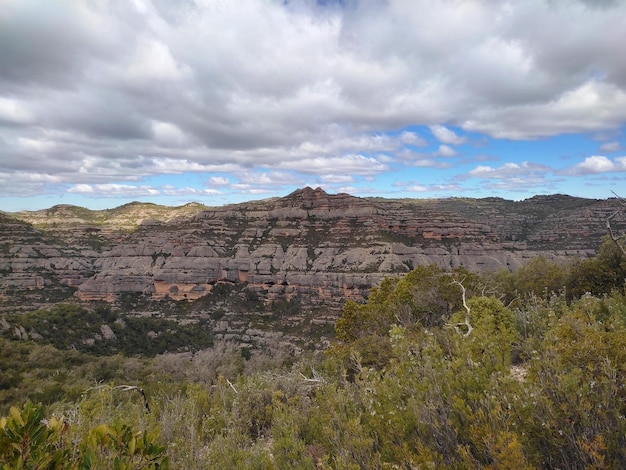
426,297
493,332
45,374
537,383
600,274
68,326
121,447
539,277
27,440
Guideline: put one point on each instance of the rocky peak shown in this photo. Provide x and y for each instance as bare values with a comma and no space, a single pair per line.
318,203
307,193
309,198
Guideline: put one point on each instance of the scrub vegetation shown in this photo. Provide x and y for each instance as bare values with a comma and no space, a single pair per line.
438,369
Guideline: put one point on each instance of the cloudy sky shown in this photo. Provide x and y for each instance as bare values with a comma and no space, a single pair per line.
107,101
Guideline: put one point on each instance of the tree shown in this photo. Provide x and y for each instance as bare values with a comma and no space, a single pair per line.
600,274
540,277
426,297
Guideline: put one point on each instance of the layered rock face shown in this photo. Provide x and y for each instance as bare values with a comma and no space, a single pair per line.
32,260
323,248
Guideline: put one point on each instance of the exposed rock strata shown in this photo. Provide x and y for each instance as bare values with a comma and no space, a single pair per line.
325,248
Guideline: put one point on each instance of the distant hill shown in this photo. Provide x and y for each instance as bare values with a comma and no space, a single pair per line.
125,217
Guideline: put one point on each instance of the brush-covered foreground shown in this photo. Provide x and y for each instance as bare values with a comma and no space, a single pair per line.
527,373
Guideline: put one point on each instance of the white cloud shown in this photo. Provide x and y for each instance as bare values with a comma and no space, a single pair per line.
347,164
219,181
168,134
597,164
508,170
353,189
14,111
35,145
153,61
82,188
337,179
449,188
111,190
412,138
188,191
431,163
267,178
514,176
446,136
610,147
413,187
176,166
445,151
591,106
250,189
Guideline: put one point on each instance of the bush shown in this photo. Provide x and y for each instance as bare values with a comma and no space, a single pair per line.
27,440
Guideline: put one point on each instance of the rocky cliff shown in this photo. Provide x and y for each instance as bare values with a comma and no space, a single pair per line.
323,248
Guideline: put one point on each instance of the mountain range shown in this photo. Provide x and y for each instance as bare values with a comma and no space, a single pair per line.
322,248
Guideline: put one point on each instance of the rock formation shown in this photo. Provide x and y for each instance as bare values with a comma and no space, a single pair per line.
323,248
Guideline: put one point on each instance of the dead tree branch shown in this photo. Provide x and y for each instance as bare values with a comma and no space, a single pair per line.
466,323
618,238
232,386
127,388
123,388
316,378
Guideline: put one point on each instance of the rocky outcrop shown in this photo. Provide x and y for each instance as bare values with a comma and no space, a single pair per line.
324,248
33,261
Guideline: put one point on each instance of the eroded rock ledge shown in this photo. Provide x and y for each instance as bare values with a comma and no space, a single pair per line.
324,248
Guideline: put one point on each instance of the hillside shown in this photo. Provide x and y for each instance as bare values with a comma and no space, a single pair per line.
283,264
438,368
309,243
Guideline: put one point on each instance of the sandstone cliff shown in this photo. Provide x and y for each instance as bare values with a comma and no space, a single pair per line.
324,248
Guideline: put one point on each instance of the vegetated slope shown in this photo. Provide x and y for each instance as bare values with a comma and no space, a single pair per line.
536,384
38,266
126,217
431,371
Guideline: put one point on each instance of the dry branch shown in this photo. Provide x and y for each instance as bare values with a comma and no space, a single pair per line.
123,388
466,323
620,238
232,386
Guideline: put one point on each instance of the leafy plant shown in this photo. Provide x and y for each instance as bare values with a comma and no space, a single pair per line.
27,441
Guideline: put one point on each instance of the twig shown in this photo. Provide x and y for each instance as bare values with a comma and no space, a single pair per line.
466,323
315,378
616,239
124,388
232,386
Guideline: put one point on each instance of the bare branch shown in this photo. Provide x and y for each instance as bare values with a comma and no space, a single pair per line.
314,379
231,385
123,388
355,360
96,387
127,388
617,238
466,323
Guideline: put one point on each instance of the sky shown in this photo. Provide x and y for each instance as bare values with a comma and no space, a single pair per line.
103,102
